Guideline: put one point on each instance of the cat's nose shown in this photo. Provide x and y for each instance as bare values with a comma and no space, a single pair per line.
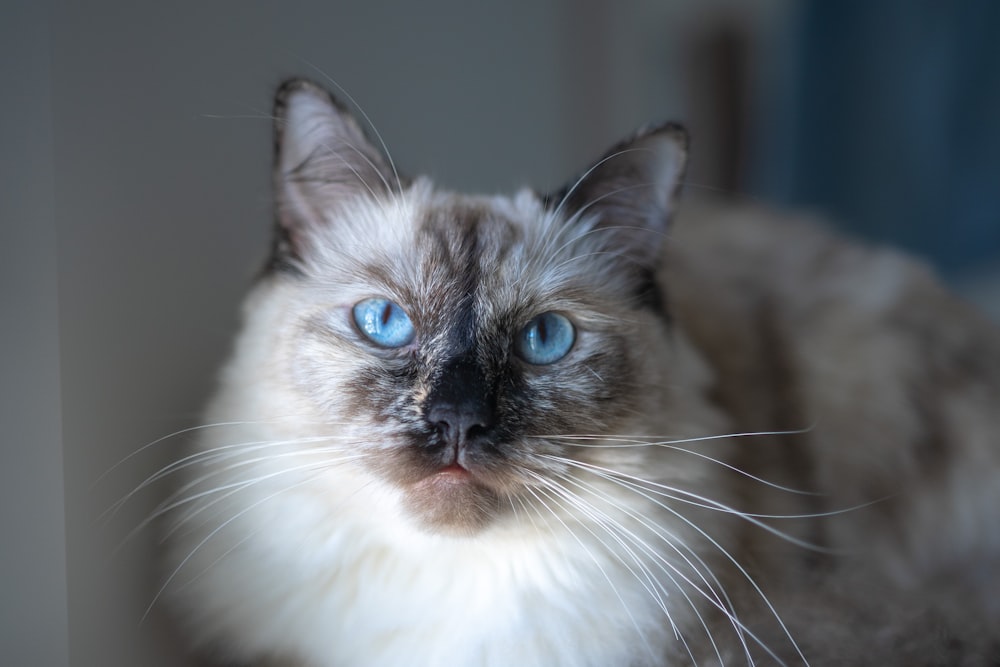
460,406
462,424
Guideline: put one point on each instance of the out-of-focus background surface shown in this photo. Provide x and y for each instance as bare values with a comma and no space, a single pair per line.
135,202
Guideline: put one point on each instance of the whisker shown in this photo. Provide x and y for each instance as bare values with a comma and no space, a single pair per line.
696,500
622,479
635,441
249,536
178,499
643,440
258,115
204,456
291,176
579,181
647,581
619,534
594,373
208,537
590,554
182,431
368,120
718,597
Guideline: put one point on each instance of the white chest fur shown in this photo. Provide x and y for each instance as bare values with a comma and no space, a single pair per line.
364,589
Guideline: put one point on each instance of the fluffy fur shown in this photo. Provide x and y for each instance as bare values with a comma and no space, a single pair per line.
765,444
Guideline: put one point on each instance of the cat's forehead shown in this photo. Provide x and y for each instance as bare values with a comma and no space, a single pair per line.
431,243
465,233
474,248
495,218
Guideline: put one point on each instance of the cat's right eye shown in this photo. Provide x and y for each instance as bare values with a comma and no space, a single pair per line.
383,322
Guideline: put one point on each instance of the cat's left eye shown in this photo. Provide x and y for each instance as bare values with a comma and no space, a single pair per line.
545,339
383,322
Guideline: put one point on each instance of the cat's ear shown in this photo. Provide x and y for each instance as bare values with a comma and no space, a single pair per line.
631,191
322,159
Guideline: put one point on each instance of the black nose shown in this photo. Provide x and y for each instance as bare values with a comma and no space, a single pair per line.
460,425
460,406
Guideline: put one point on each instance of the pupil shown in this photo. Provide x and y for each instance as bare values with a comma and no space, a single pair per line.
386,314
543,333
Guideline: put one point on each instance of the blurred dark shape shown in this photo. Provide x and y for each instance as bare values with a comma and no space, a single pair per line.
717,76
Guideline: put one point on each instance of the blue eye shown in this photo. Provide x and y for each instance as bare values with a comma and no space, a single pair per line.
546,339
383,323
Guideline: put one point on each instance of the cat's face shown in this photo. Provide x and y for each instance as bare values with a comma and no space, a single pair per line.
455,342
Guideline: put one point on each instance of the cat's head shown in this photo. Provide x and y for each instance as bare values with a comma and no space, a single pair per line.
451,342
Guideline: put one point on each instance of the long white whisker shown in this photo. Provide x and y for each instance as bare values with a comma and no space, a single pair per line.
579,181
589,553
622,479
703,502
185,500
291,175
636,441
163,438
212,534
204,456
173,503
645,440
648,582
360,109
718,597
620,534
218,560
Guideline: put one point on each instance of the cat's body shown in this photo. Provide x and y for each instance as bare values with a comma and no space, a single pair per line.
486,431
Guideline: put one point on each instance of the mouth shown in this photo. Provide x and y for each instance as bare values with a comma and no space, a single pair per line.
451,500
455,469
446,480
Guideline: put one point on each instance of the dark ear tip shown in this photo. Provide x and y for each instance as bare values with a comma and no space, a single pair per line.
677,132
289,87
294,86
295,83
668,130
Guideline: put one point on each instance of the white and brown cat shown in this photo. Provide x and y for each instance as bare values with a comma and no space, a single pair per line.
562,430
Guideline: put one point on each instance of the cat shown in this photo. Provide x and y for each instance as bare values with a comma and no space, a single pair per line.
590,428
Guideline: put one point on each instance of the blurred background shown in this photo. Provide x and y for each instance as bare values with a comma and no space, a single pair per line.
135,203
